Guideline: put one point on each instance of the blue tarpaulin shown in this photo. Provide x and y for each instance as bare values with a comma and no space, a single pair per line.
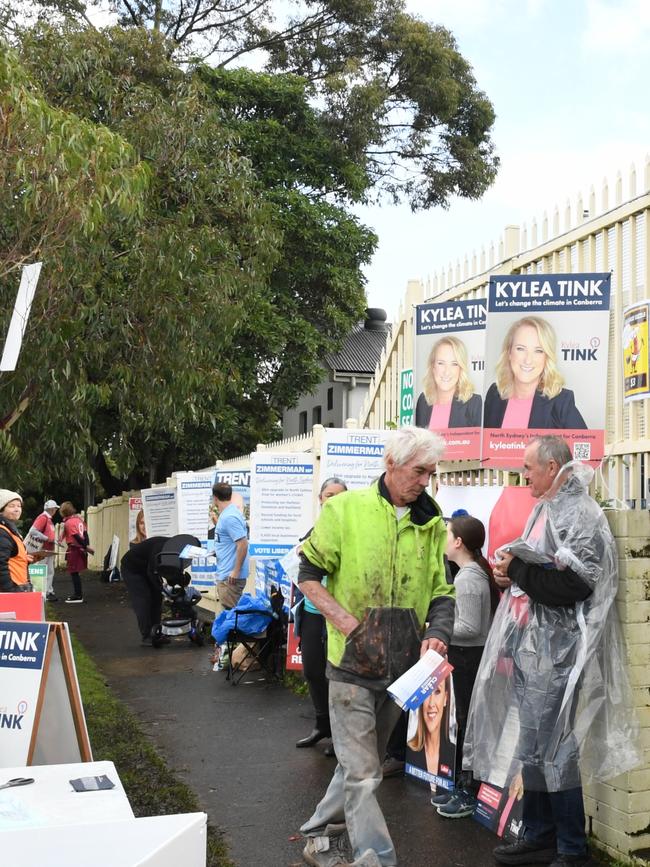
247,622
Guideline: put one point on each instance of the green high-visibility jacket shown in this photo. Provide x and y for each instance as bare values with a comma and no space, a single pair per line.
390,575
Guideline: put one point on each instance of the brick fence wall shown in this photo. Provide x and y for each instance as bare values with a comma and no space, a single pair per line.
618,812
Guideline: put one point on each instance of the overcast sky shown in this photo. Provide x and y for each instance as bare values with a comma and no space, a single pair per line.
568,80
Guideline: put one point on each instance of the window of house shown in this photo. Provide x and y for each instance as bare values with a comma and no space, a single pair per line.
330,398
302,422
316,415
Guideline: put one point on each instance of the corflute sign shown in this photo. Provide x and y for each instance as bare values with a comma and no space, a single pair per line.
22,645
22,653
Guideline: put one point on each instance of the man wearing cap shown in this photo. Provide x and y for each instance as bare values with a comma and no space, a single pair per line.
45,525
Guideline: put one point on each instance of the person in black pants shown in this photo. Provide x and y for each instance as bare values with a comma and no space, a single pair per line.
139,572
312,631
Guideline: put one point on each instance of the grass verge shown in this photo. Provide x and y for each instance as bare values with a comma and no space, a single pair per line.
116,736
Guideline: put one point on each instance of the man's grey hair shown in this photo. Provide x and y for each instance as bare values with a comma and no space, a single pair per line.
410,443
552,448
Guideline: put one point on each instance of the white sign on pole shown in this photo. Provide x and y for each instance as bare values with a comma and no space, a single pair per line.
20,316
355,456
160,511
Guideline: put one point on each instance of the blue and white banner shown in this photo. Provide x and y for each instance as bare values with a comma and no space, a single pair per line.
282,497
240,482
354,456
194,498
281,508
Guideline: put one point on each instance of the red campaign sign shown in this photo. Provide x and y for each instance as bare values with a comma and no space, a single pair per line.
508,518
462,444
22,606
294,656
505,448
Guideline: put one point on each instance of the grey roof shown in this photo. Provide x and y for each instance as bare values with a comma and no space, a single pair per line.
360,352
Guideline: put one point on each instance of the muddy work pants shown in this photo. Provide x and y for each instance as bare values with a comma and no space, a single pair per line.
362,721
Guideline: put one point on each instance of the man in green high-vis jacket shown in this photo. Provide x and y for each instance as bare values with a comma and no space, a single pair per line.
387,601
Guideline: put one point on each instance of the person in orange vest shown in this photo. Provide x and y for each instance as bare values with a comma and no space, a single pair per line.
14,559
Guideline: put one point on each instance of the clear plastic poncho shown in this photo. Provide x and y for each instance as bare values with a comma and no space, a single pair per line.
552,697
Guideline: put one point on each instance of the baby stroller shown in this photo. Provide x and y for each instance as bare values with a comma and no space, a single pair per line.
181,599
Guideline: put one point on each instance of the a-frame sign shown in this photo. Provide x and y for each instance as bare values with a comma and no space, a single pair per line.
41,715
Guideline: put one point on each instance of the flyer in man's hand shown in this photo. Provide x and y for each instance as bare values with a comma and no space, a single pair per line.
411,689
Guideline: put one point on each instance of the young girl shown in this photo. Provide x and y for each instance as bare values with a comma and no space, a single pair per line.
477,597
75,535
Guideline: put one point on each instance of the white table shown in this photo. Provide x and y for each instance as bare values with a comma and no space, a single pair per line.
50,801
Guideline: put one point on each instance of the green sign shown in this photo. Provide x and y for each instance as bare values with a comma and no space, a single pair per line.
38,576
406,397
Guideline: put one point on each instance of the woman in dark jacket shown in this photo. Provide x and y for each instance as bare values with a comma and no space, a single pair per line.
139,571
14,559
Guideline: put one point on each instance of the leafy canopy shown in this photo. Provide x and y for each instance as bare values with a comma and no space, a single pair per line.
397,94
202,318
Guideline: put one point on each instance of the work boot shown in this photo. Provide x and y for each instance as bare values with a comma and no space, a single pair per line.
317,734
523,852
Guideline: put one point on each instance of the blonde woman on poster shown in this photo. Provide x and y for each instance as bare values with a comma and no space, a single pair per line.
432,735
529,392
448,399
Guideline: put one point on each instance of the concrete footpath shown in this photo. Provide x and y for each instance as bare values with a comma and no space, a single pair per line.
235,746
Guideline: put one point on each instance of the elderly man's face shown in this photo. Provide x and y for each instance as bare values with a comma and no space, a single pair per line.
539,476
407,481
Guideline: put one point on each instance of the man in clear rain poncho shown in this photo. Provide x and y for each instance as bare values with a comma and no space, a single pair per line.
552,698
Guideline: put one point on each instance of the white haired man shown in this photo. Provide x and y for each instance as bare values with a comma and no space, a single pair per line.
382,551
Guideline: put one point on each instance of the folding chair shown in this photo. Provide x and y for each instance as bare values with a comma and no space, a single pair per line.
264,648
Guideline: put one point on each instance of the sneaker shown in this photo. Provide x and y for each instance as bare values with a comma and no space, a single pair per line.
460,804
392,767
51,597
329,851
523,852
442,799
75,599
579,860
